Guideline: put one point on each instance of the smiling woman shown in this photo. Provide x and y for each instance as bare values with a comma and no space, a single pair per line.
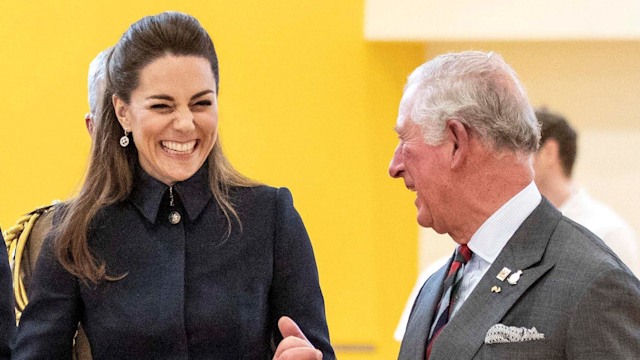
173,116
168,252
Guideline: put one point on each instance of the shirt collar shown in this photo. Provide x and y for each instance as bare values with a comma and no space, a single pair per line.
148,193
495,232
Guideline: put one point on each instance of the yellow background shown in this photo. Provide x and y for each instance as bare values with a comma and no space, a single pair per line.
305,102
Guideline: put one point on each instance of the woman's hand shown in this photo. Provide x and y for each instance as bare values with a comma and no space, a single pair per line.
294,345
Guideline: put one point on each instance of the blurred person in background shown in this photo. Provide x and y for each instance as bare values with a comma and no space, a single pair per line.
553,165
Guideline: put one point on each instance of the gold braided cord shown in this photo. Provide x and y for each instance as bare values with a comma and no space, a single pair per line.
15,239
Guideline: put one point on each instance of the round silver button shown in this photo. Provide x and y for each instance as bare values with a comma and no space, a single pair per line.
174,217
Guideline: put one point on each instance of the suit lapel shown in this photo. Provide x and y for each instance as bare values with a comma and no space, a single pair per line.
414,342
465,332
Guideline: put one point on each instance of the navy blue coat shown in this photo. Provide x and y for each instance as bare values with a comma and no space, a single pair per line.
7,314
190,292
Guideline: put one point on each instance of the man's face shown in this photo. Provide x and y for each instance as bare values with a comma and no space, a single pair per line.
424,168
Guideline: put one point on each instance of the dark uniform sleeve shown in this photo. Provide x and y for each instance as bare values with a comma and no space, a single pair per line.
296,290
7,314
49,321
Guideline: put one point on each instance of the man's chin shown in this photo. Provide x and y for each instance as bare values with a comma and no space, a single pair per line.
424,222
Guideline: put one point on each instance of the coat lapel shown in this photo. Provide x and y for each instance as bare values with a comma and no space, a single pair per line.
465,332
414,342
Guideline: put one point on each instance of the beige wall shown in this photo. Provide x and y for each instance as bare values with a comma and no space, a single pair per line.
440,20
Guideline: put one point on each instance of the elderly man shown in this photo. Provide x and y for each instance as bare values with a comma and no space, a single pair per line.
524,282
96,86
553,164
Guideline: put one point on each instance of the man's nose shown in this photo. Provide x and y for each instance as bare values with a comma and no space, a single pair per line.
396,167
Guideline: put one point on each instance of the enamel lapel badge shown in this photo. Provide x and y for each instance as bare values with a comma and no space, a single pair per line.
515,277
503,273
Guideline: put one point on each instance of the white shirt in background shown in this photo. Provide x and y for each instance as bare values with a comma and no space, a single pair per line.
604,222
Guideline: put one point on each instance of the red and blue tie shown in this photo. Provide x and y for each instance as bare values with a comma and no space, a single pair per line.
451,283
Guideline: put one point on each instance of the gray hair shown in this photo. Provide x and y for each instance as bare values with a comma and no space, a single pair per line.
480,90
96,80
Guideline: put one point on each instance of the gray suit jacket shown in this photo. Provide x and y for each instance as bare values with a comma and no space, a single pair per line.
573,289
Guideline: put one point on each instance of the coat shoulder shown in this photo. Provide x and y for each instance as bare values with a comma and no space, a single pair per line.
577,247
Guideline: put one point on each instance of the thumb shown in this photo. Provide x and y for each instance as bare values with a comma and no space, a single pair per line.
288,327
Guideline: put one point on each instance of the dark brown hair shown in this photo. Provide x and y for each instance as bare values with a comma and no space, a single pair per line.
109,177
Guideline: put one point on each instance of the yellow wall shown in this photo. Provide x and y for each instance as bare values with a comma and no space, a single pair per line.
305,102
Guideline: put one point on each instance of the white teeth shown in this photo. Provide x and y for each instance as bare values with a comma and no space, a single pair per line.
179,147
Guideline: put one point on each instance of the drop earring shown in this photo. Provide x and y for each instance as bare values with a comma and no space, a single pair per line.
124,140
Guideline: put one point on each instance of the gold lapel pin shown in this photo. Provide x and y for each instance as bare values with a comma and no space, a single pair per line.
496,289
503,273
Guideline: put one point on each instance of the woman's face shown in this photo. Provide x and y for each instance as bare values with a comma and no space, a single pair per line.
173,116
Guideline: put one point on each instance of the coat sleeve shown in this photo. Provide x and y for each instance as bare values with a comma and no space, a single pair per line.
49,321
295,289
606,320
7,314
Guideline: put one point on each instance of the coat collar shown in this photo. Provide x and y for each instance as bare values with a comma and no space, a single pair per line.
465,333
148,193
414,342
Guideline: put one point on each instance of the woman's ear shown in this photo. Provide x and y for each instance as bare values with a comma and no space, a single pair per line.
459,135
121,109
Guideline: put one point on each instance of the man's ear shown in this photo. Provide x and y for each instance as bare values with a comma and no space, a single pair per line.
121,109
88,122
459,136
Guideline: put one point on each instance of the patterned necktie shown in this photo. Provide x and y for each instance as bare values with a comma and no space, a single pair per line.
451,282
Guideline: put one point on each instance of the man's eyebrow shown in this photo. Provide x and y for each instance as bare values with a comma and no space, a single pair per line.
398,131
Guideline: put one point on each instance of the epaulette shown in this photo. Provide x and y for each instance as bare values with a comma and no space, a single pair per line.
15,239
